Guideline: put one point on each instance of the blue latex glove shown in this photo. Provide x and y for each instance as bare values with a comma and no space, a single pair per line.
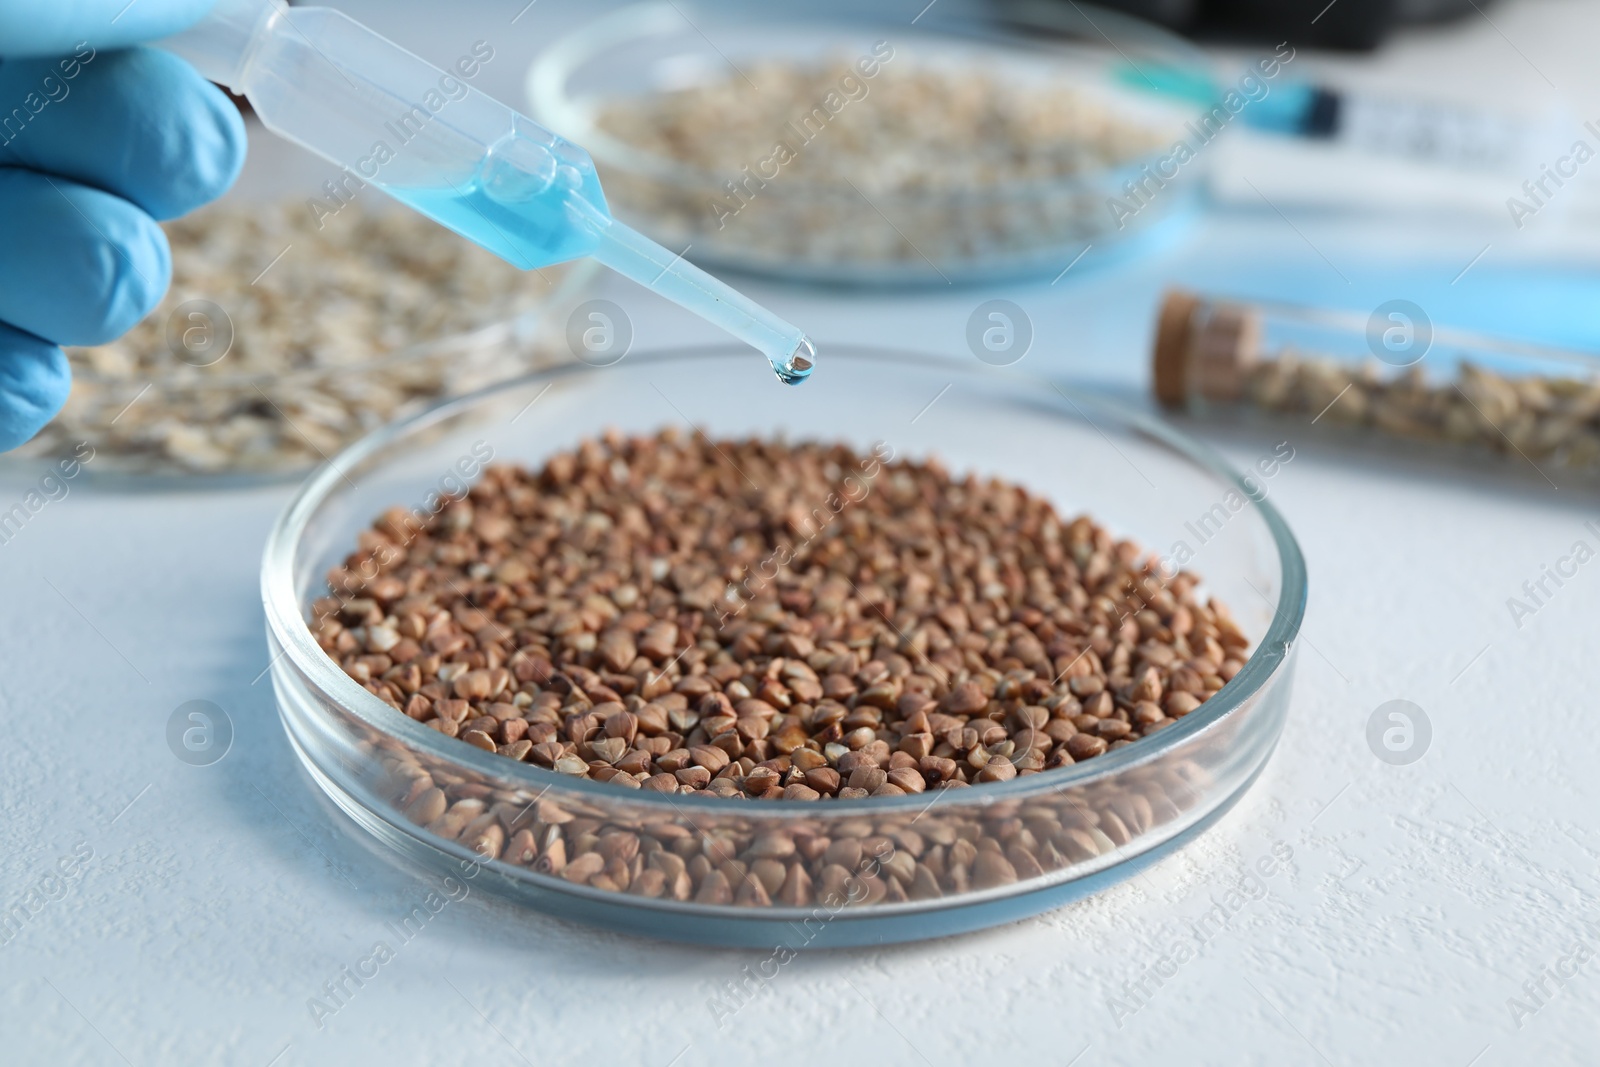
97,141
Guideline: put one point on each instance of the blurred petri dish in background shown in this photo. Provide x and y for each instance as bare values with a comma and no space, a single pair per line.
853,153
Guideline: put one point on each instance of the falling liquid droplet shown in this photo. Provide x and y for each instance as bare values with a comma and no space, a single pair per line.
797,368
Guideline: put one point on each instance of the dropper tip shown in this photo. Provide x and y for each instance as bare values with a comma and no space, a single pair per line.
797,368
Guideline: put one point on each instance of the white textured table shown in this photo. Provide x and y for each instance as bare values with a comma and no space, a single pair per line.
1418,900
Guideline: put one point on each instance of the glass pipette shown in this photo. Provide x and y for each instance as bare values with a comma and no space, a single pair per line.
430,140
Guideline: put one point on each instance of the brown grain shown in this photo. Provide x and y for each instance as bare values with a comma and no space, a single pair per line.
768,620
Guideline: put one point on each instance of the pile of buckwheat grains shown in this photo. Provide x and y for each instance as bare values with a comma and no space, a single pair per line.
766,619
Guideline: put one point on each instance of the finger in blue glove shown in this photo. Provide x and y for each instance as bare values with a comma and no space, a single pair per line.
34,379
80,266
95,144
54,27
139,123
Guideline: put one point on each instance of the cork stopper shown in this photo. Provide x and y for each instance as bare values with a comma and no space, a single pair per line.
1203,349
1170,363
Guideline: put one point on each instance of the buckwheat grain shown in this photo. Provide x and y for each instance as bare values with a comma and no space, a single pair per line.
683,616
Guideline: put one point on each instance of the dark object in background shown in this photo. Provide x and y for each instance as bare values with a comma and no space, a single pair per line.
1353,25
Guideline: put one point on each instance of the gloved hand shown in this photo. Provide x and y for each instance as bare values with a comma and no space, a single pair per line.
97,141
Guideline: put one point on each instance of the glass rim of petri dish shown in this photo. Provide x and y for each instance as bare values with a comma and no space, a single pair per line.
294,643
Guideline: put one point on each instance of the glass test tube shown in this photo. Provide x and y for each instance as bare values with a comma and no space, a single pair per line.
1389,379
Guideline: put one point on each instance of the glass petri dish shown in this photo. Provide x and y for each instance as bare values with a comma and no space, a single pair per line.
928,225
1094,823
252,372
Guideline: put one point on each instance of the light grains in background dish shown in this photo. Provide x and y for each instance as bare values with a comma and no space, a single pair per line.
912,127
763,619
962,161
313,333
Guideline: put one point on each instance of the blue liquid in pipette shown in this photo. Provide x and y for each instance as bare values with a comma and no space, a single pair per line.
533,233
563,223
